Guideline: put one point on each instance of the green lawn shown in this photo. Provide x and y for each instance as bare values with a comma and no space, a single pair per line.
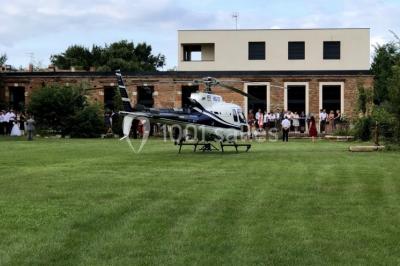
94,202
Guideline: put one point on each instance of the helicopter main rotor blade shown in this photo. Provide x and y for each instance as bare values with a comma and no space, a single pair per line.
239,91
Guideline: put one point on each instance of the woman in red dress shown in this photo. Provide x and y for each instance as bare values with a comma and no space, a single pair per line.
312,132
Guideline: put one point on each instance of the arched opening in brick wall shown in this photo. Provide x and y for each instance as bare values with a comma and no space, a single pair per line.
17,98
296,98
145,96
109,95
259,92
2,95
331,97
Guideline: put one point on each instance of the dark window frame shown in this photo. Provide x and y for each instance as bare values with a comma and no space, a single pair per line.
256,53
332,50
296,50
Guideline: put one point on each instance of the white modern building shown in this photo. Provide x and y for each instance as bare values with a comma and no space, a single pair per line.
274,49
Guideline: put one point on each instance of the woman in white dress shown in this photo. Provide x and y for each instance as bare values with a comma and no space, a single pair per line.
15,131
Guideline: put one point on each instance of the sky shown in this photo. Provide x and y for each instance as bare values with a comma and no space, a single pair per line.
31,31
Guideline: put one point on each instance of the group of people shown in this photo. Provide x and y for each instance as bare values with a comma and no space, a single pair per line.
292,121
263,120
286,124
331,121
14,124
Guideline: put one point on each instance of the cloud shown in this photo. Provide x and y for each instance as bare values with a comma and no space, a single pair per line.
49,26
23,19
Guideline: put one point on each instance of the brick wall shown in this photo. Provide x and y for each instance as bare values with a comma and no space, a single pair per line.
168,93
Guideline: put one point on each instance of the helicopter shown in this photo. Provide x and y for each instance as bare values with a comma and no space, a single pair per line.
209,118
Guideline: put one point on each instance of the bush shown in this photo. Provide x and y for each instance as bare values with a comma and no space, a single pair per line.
387,122
362,128
343,131
54,106
88,123
64,110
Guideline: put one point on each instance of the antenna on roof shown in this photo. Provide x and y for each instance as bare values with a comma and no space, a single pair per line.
31,57
235,16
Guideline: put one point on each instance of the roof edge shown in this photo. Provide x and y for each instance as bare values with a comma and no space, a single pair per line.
195,73
259,29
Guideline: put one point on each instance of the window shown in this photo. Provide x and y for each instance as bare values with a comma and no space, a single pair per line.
235,116
256,50
296,51
242,119
198,52
331,50
191,53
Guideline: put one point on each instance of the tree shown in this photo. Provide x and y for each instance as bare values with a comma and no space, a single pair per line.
362,125
394,90
122,55
364,100
385,57
394,99
386,112
3,59
75,56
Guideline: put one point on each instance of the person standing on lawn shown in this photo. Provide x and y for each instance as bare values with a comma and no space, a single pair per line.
285,129
322,120
11,119
312,132
30,127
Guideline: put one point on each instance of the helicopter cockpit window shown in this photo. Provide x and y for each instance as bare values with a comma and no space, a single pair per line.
242,119
216,99
235,116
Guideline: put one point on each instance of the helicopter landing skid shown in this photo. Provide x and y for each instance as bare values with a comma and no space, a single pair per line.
234,144
207,146
204,146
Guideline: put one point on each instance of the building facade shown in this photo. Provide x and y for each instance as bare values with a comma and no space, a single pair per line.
296,70
274,50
